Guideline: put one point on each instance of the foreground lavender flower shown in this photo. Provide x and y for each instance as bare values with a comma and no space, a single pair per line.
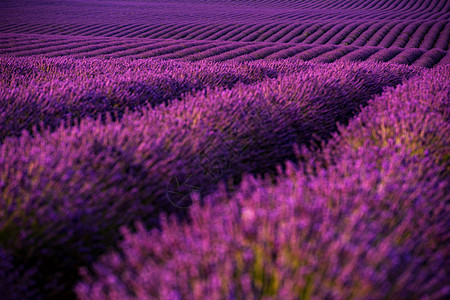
68,191
366,218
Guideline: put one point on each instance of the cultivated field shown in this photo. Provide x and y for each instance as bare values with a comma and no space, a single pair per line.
213,149
398,31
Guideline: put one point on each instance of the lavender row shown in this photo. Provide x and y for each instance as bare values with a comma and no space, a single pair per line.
409,5
77,185
338,32
414,116
426,35
43,92
67,17
393,35
380,34
205,50
369,220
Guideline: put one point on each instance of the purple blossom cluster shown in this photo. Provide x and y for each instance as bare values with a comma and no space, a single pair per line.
37,91
65,193
364,218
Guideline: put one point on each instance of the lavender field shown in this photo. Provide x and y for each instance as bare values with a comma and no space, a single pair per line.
214,149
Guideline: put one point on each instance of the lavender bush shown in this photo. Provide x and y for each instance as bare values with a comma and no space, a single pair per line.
78,184
364,219
41,91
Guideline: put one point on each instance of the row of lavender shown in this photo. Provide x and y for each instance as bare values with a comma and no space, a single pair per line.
93,12
366,218
44,92
403,34
65,193
388,5
358,15
51,46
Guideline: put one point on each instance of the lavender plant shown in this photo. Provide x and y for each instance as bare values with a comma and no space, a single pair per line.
78,184
44,92
378,230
